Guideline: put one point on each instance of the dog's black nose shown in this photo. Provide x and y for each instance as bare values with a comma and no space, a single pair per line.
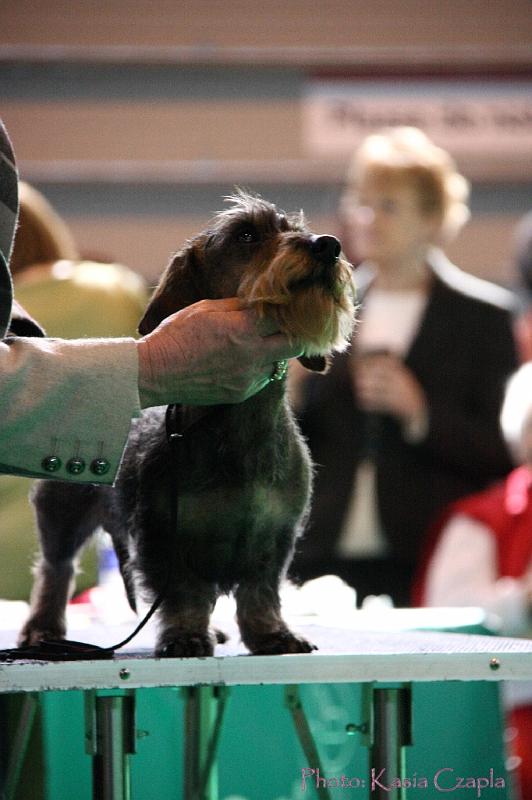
325,248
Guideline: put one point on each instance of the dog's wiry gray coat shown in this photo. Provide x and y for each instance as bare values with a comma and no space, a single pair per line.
244,475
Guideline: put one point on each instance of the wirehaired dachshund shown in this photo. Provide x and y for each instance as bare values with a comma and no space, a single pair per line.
241,473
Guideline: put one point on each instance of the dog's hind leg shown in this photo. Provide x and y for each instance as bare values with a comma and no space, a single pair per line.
263,630
184,622
67,515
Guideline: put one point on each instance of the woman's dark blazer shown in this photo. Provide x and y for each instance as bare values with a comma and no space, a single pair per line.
462,355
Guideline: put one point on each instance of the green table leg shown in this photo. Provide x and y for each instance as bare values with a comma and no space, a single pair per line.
110,737
295,706
390,733
204,711
19,747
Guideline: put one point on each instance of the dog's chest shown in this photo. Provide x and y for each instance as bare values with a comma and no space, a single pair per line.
237,450
225,533
225,514
238,497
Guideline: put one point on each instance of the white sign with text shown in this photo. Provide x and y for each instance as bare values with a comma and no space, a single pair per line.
463,117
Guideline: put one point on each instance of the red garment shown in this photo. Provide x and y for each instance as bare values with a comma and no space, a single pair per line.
520,719
523,336
506,509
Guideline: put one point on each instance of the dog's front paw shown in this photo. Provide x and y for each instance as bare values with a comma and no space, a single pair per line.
279,642
33,632
185,645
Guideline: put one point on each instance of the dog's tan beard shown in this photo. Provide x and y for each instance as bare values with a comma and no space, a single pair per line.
319,318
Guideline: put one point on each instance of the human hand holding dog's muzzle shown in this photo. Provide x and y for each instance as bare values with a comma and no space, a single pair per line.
214,351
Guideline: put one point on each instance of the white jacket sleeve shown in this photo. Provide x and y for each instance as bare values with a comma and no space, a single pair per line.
463,572
66,406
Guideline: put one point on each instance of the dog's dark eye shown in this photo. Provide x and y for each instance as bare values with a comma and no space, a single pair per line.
247,236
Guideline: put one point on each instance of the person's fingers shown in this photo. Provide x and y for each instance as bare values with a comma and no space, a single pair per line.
258,386
247,317
277,347
266,326
274,345
261,324
277,344
224,304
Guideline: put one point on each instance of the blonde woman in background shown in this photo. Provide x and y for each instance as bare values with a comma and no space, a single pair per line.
408,419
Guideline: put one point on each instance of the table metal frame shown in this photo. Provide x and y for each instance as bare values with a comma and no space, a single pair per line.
386,663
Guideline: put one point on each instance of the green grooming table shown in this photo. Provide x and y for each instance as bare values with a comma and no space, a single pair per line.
378,705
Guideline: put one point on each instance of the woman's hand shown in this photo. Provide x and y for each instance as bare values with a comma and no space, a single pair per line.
385,385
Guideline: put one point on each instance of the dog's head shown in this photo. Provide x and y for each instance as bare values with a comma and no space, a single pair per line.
274,264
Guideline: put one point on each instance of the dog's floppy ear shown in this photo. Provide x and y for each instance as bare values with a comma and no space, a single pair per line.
315,363
177,289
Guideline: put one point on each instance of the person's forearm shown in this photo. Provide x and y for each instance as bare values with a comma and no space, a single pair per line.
66,406
149,391
65,402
